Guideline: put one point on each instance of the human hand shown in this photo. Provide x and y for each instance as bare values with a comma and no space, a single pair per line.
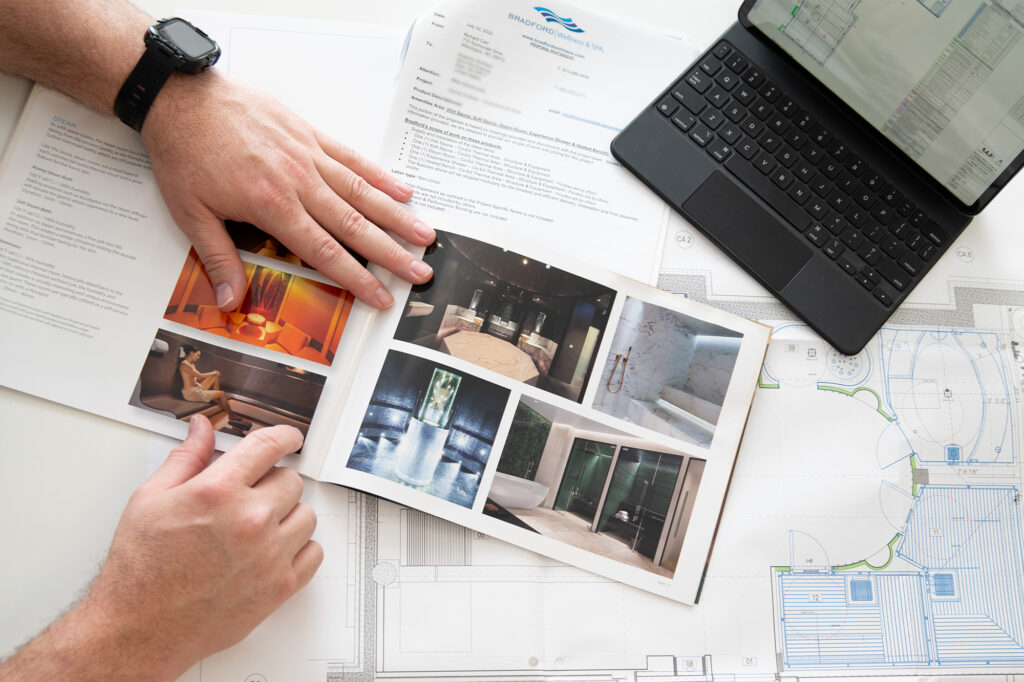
221,150
202,554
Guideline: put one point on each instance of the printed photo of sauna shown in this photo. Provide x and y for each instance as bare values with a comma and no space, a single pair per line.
594,487
279,311
239,393
430,427
508,313
248,237
667,372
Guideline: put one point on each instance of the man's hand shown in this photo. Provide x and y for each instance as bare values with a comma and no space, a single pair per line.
221,150
201,555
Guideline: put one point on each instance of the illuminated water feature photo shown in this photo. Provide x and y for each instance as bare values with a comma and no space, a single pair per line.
430,427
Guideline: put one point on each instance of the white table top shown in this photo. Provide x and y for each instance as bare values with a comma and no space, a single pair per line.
66,475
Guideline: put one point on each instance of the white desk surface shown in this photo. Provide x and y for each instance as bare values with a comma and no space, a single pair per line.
66,475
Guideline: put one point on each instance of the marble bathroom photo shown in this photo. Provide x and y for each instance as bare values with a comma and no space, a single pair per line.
667,371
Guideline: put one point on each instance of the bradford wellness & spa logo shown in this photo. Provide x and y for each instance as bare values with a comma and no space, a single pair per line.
567,24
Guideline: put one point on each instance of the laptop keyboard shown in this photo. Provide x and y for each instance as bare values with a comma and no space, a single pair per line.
805,171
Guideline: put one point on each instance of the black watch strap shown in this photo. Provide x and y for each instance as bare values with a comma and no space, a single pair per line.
142,86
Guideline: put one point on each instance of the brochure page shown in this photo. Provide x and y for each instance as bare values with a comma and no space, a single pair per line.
503,117
581,415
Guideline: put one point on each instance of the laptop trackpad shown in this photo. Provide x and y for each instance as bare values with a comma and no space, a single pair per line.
753,236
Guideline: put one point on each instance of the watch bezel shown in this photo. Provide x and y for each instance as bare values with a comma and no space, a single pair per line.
185,62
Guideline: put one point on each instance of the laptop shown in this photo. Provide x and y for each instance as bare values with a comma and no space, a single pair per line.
836,148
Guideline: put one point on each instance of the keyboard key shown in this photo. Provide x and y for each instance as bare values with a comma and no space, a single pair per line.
690,98
727,79
838,150
712,118
730,133
753,77
891,195
800,193
769,141
813,153
846,182
830,168
833,248
699,81
710,66
935,233
770,91
794,138
918,219
884,296
804,122
719,150
787,106
668,106
747,149
864,196
817,208
752,127
864,280
701,134
764,163
855,165
771,194
870,253
684,121
906,207
787,156
778,124
817,234
722,50
902,229
761,108
834,222
915,241
927,251
911,263
871,275
892,246
718,97
821,135
873,231
893,274
852,237
734,112
838,200
874,181
804,171
736,62
856,215
847,263
883,213
744,94
820,184
782,178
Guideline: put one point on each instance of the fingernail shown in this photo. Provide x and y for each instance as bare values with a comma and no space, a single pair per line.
420,270
384,298
423,230
402,187
193,420
224,294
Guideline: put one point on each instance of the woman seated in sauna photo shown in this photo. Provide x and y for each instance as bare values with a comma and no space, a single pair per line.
203,387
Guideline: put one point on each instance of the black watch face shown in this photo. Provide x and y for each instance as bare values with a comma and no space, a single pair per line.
193,45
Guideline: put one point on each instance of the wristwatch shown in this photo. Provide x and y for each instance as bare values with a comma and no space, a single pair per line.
171,45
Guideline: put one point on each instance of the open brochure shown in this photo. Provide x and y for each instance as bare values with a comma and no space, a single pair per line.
531,397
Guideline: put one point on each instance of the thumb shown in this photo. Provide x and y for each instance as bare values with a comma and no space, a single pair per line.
188,459
218,254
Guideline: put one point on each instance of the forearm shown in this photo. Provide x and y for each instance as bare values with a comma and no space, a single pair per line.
84,48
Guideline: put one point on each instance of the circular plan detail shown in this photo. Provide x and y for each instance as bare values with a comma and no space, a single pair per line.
384,573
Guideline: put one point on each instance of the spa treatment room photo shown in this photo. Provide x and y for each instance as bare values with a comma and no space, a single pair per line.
280,311
594,487
238,392
667,372
508,313
429,426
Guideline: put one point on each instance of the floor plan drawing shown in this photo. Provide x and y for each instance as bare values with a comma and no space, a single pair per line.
819,26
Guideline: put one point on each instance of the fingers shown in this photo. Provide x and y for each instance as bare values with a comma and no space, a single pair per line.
218,254
374,174
284,489
188,459
298,527
257,452
306,562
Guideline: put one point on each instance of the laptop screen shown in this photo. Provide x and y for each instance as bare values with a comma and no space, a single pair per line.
943,80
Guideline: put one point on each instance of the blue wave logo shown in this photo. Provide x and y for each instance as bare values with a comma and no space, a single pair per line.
567,24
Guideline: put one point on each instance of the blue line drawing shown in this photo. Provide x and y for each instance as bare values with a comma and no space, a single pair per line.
567,23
